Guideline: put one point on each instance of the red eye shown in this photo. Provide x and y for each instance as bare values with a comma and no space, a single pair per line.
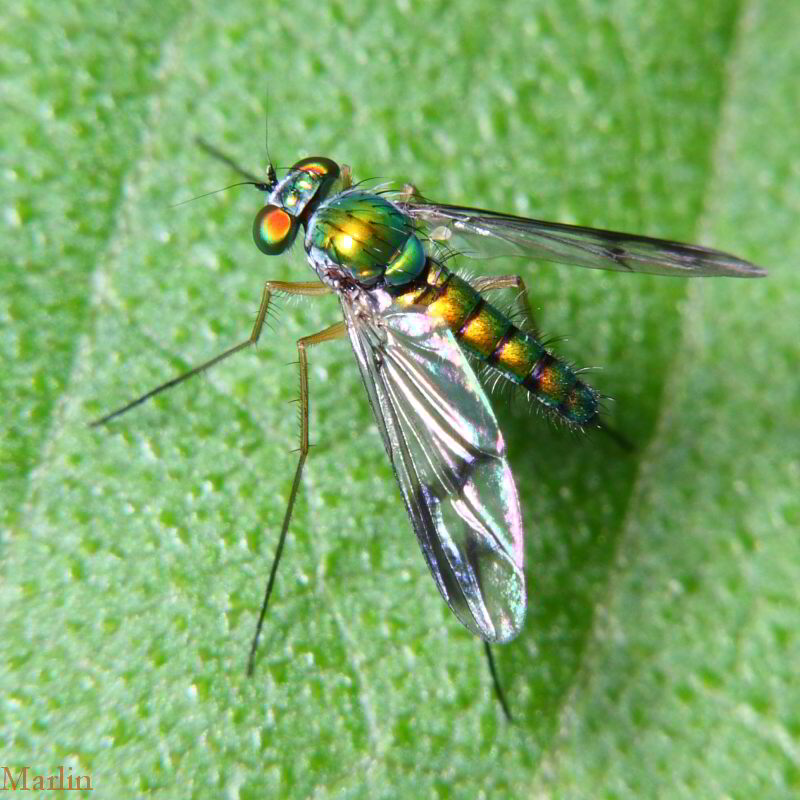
273,230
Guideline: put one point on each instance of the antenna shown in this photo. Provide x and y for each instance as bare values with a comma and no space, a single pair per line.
220,156
260,186
272,178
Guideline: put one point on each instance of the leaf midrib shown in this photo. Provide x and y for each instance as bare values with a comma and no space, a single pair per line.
548,760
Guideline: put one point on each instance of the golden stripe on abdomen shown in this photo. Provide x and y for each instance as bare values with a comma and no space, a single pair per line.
485,328
516,354
454,303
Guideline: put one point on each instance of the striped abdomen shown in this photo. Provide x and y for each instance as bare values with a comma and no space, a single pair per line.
488,334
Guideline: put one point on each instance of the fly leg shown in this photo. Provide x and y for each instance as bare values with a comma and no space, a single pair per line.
410,192
490,282
336,331
310,289
498,689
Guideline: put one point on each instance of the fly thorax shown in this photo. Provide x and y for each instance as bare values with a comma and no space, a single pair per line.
407,264
364,236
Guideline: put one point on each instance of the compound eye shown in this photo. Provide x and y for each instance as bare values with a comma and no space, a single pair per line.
274,230
318,166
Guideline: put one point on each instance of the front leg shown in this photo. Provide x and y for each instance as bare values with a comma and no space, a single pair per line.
306,288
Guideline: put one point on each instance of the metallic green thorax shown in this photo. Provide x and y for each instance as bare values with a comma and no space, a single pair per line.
407,264
368,237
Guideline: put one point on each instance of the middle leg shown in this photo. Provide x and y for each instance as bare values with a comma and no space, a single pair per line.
336,331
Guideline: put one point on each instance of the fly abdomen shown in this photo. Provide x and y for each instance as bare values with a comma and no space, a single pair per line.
556,385
488,334
524,360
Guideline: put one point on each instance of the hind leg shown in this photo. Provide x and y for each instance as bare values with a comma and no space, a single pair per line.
489,282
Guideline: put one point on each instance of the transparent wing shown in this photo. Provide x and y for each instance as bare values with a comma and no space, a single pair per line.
477,232
450,460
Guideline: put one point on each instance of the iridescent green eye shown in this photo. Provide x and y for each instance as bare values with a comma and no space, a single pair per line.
273,230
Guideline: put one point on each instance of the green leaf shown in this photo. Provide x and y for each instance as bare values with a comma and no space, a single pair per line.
660,651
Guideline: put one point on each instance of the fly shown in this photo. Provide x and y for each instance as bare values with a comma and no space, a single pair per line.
416,329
